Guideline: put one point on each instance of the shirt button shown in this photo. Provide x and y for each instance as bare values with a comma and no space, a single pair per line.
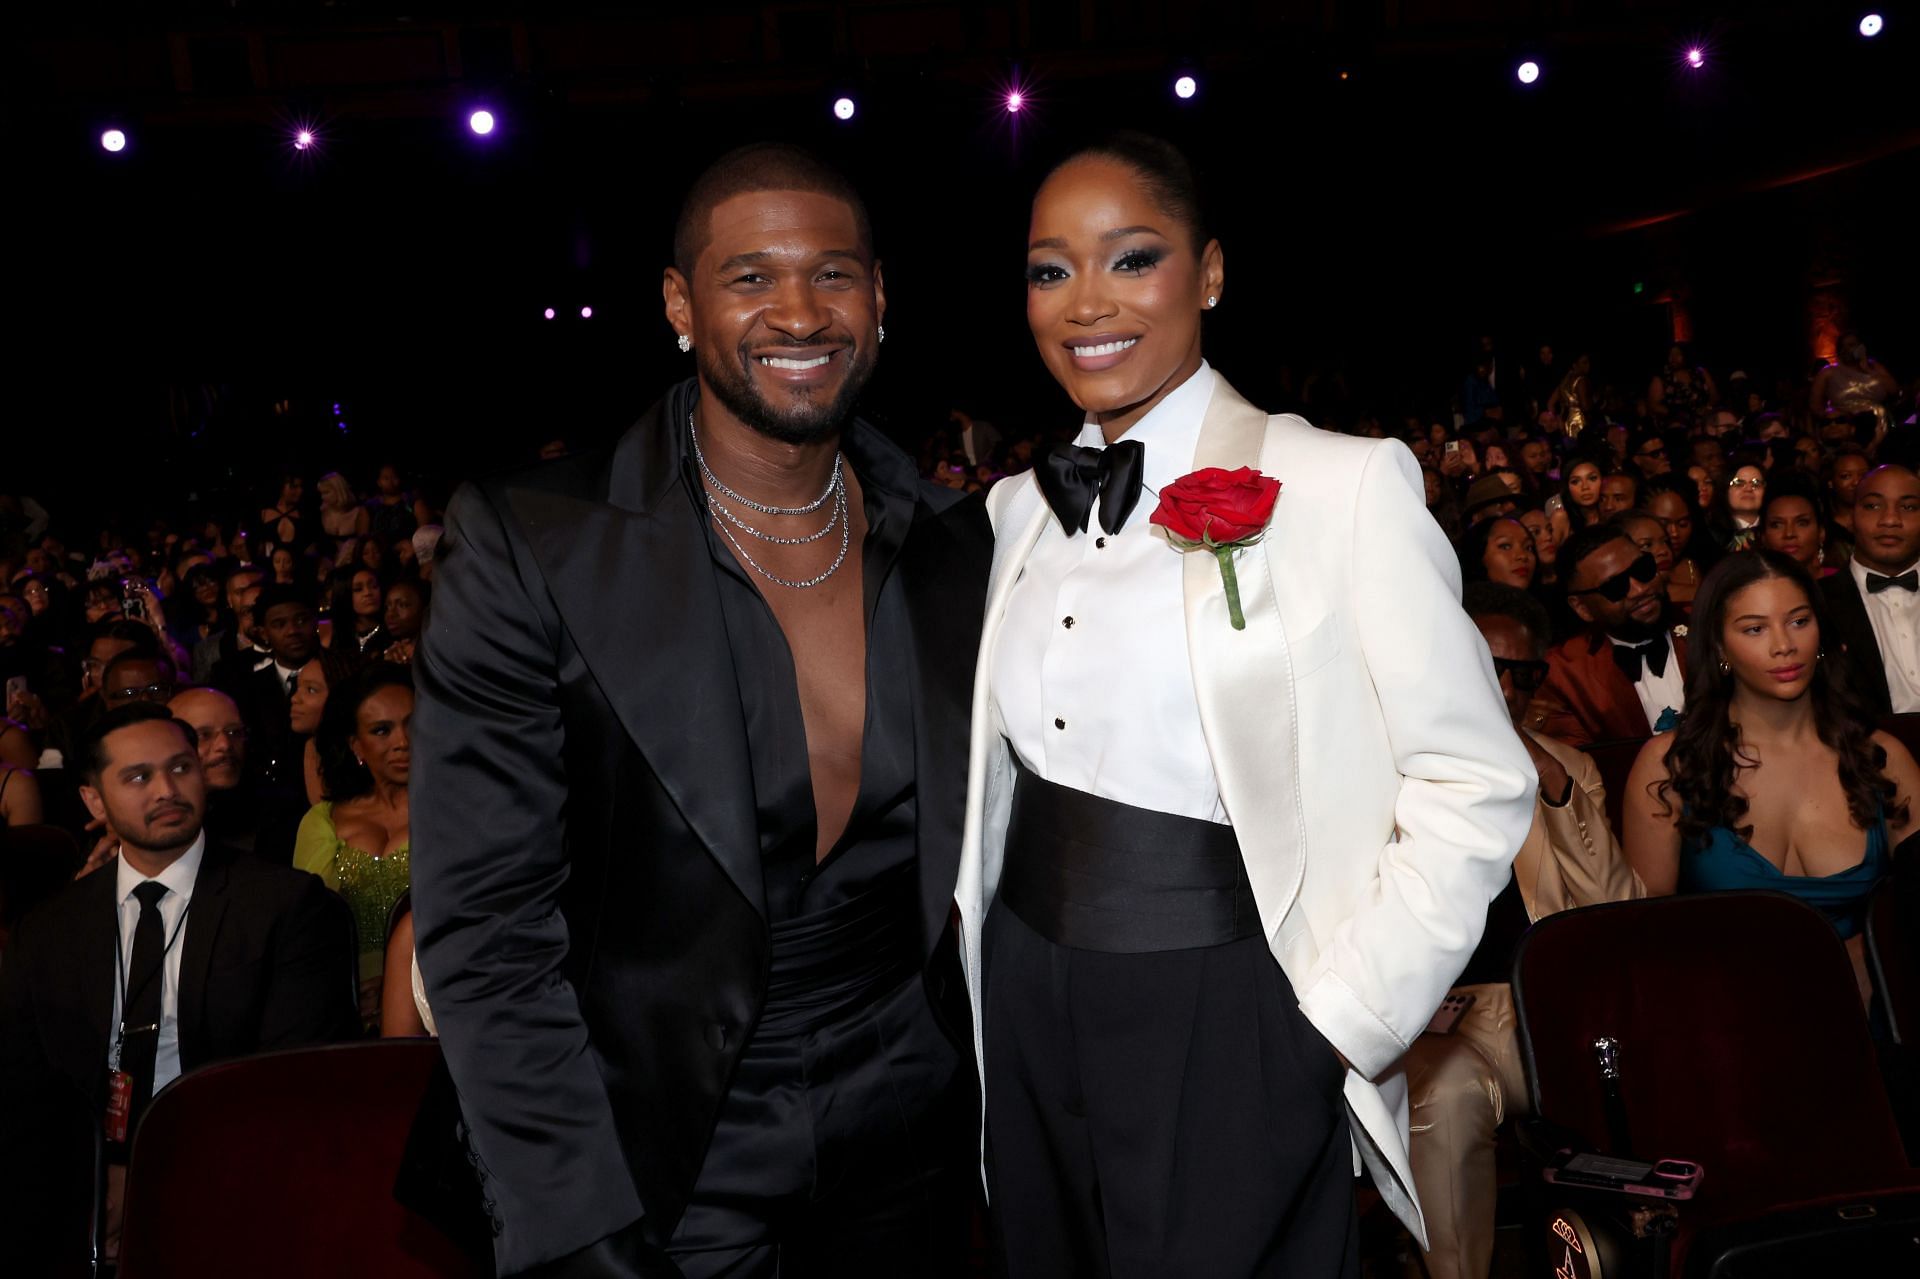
1067,622
1059,723
1099,543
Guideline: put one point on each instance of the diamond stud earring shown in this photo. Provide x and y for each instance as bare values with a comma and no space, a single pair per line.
1213,301
686,344
883,333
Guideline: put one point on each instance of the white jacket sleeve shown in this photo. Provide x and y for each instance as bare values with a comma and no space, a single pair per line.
1466,785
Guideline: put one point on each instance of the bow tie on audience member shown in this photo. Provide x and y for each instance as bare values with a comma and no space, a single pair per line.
1651,656
1907,581
1074,476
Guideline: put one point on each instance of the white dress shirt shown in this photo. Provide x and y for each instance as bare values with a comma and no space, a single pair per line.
1090,672
179,879
283,673
1657,693
1895,615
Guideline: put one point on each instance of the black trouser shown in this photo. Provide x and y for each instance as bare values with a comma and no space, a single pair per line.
845,1146
1153,1112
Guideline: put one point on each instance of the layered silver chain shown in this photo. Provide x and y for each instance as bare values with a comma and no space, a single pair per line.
727,521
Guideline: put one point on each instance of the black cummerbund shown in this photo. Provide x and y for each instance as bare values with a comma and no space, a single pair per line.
835,960
1096,874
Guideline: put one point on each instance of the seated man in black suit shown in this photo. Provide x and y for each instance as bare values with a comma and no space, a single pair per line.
1875,600
114,987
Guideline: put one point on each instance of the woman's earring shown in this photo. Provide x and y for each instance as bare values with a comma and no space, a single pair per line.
1820,656
883,333
686,344
1213,302
1725,669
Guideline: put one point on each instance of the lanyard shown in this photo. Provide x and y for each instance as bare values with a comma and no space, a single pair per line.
120,975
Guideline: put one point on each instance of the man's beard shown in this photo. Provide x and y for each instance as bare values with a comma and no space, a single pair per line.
814,420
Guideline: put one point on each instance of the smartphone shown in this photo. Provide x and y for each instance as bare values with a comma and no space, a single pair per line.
132,604
16,689
1453,446
1660,1179
1555,505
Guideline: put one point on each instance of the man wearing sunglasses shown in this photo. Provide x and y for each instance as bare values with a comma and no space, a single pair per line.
1468,1080
1615,681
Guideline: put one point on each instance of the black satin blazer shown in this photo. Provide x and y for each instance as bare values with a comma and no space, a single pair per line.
586,869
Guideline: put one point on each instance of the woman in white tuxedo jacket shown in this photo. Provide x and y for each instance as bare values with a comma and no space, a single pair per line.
1230,834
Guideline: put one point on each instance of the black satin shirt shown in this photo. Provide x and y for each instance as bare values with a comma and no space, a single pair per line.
880,831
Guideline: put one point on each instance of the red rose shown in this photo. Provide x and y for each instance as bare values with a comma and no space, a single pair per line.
1216,507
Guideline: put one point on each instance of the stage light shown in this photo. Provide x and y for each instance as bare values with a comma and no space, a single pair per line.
303,140
1696,57
586,313
481,122
1870,26
843,108
1185,87
1016,100
548,313
114,140
1528,72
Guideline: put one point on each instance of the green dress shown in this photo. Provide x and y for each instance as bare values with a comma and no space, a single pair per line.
371,884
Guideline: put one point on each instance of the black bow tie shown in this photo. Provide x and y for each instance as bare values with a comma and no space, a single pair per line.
1652,657
1073,476
1907,581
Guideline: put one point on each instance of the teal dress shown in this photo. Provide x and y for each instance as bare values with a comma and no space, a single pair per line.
1726,863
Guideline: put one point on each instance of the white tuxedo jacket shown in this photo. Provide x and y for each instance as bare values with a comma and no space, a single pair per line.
1362,747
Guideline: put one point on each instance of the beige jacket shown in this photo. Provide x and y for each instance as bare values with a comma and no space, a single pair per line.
1570,857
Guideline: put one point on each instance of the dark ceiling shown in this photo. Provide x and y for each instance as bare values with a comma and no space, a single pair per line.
1382,184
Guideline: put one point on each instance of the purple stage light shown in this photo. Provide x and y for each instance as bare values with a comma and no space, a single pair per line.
1016,100
1185,87
114,140
1696,57
1872,25
843,108
481,122
586,313
1528,72
548,313
303,140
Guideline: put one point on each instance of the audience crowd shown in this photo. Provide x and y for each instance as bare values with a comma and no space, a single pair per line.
1720,566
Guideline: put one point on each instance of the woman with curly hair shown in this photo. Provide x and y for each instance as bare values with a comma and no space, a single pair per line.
359,839
1775,778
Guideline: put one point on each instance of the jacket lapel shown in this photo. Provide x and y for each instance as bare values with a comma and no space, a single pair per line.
632,578
205,914
942,576
1253,741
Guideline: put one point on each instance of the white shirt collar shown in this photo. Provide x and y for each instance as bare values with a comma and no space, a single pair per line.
178,877
1170,430
285,672
1860,572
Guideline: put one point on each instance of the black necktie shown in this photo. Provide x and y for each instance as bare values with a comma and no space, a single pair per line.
1630,660
144,981
292,681
1907,581
1074,476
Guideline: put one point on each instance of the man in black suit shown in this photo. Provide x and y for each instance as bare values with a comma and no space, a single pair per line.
690,761
1874,602
218,955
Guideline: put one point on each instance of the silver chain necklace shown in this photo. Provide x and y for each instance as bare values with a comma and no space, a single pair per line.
833,484
836,490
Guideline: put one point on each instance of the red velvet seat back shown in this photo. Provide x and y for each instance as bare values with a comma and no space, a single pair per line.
1744,1045
283,1165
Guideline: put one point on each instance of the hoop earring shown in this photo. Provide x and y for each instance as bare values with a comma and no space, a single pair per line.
685,344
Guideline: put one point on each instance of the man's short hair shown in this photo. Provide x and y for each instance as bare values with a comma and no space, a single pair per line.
1585,541
1497,599
134,633
242,570
760,166
159,658
92,750
277,593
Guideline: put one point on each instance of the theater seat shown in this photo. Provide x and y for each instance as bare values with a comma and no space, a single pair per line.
1743,1047
283,1165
